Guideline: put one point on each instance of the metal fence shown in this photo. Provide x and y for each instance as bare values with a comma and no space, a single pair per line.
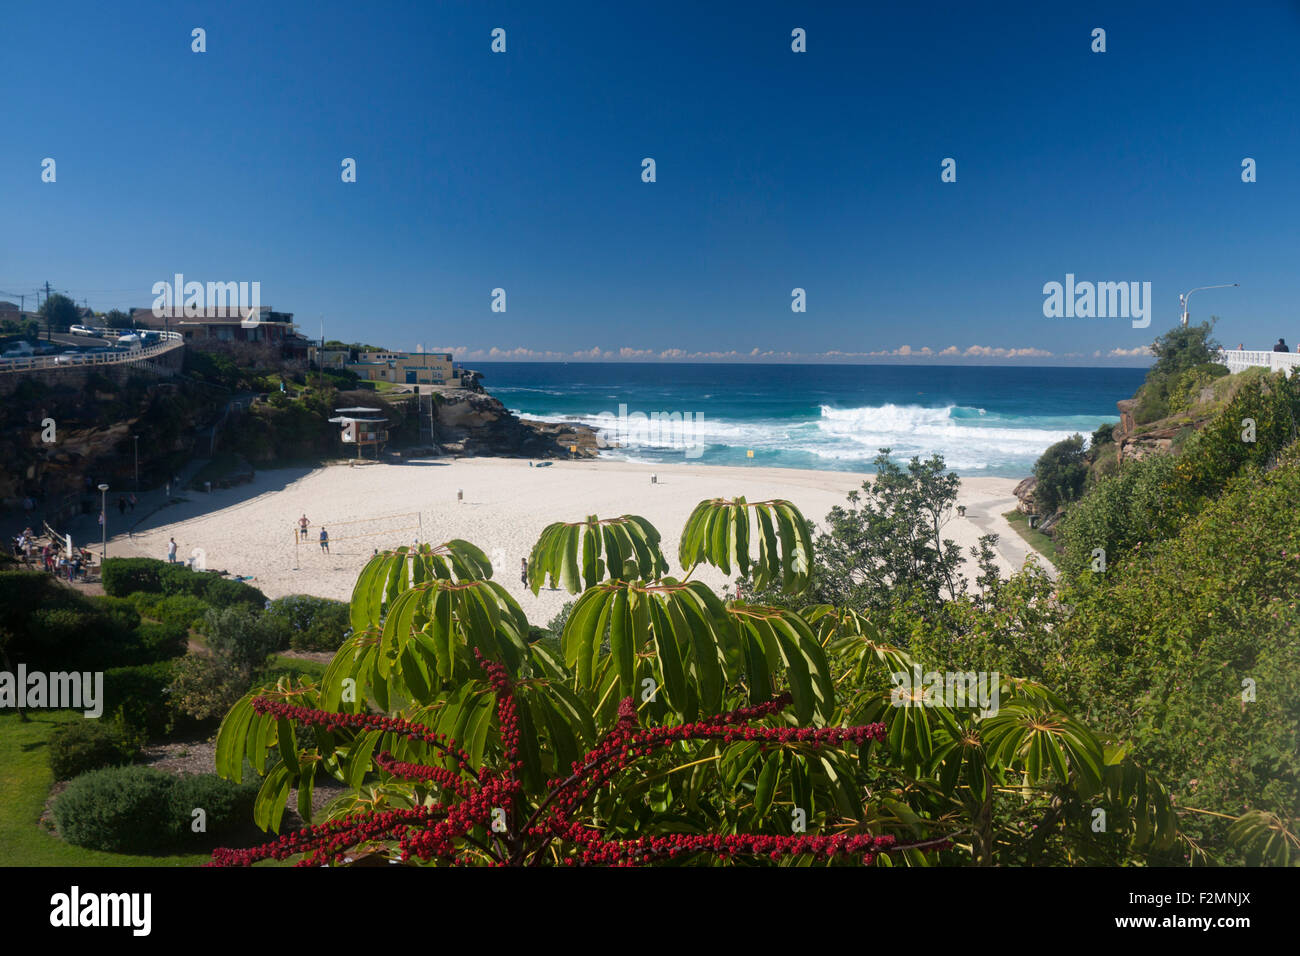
170,341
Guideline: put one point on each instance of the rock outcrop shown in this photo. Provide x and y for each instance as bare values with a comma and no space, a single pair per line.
469,421
1024,493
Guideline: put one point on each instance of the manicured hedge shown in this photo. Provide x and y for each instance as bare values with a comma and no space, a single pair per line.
227,807
119,809
85,745
140,695
123,576
143,810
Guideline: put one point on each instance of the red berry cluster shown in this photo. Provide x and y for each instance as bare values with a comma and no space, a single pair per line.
444,831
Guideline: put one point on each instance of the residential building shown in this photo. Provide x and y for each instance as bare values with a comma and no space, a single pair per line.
269,337
406,368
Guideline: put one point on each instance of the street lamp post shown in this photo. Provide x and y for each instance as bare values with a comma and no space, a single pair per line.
103,524
1186,296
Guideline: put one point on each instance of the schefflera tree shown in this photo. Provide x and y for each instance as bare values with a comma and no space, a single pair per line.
664,724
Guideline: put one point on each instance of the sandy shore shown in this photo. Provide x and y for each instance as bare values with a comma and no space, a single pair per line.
250,530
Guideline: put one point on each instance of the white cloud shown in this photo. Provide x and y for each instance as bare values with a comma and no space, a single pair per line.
625,353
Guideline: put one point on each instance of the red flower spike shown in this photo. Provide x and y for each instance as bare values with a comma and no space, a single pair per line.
442,830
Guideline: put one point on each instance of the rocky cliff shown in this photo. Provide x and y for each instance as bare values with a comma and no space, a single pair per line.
58,442
469,421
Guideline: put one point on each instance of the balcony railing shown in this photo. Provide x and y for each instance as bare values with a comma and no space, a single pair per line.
1238,360
170,341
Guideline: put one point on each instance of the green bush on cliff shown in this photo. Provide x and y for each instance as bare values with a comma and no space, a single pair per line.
1149,500
1188,647
1061,472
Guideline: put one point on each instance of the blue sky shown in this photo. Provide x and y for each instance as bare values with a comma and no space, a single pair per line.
775,170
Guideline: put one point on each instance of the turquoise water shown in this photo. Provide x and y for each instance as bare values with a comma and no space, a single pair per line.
984,420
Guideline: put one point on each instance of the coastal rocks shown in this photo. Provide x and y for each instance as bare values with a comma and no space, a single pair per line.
1024,493
469,421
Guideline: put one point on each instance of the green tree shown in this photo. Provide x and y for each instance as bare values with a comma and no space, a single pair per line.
1061,472
889,540
117,319
58,313
1184,355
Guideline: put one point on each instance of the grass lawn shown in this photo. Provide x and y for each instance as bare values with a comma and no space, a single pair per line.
1036,539
25,782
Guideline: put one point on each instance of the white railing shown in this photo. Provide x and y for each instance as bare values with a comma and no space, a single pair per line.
170,341
1238,360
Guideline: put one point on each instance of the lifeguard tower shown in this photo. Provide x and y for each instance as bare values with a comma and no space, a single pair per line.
361,429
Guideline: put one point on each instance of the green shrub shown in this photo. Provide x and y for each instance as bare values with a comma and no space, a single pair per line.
160,641
85,745
118,809
139,695
123,576
183,610
211,588
145,603
313,623
226,593
1061,472
1150,499
1157,650
227,806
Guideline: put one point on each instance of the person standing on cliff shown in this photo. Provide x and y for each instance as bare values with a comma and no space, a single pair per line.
1281,346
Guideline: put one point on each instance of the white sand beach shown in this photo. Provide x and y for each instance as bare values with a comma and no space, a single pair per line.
250,530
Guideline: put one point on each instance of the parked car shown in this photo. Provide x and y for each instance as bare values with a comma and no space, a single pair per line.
82,330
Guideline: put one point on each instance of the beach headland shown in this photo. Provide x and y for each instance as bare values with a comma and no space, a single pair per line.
499,505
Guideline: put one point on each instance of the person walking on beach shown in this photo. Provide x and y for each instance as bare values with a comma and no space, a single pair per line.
324,541
171,551
303,523
167,489
523,571
131,502
1281,345
121,505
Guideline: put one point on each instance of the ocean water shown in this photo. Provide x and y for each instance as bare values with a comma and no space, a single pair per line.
984,420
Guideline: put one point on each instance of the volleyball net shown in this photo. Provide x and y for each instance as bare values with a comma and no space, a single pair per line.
377,532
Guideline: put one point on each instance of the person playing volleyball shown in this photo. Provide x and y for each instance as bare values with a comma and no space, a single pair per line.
324,541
